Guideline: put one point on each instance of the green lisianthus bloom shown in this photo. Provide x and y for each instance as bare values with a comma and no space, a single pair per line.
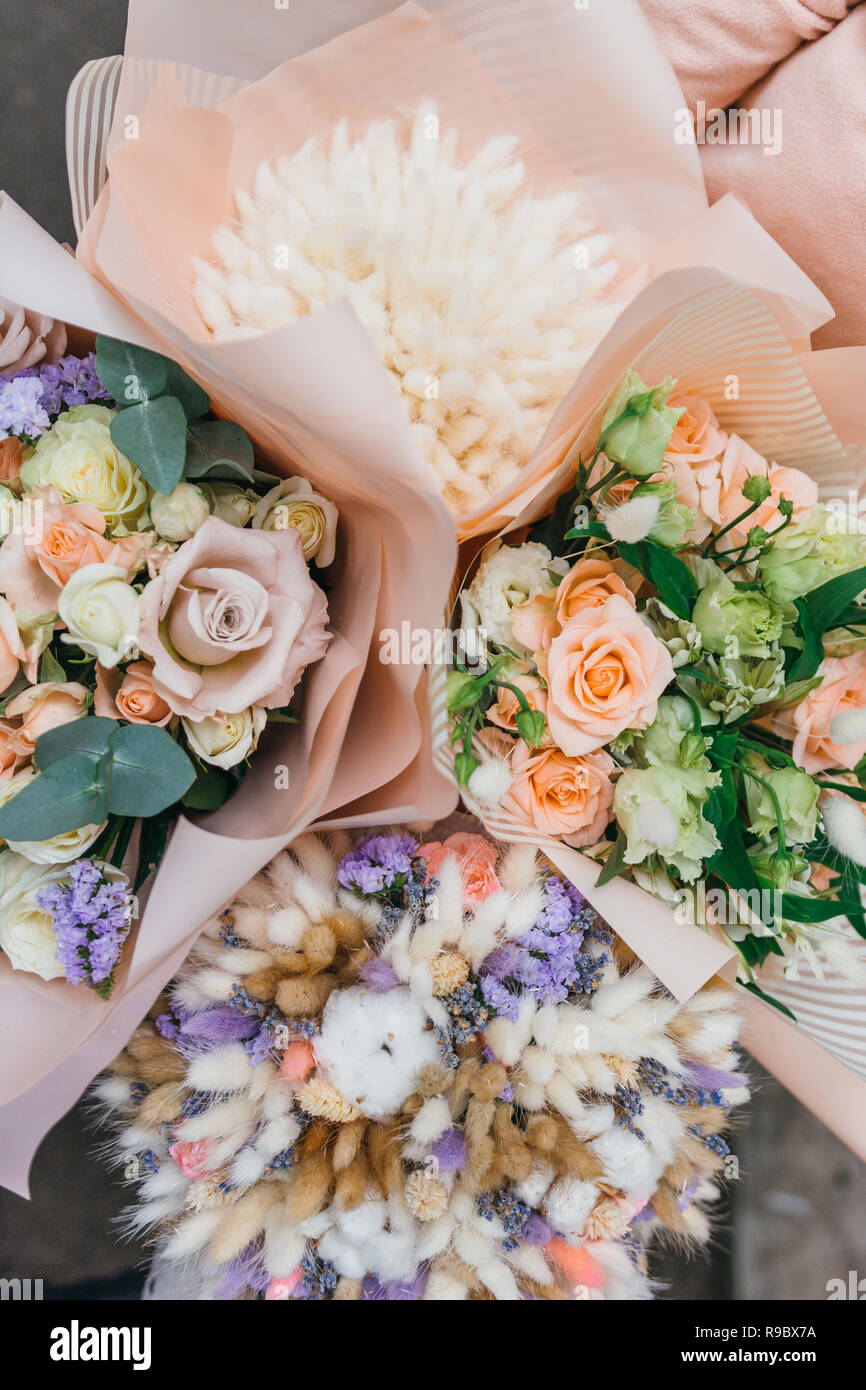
797,796
737,622
637,442
660,811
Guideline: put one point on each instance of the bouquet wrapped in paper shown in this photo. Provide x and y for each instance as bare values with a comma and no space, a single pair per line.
664,666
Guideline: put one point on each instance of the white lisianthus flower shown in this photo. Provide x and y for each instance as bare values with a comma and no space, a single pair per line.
26,929
78,457
178,515
60,849
509,576
225,739
230,502
293,504
101,613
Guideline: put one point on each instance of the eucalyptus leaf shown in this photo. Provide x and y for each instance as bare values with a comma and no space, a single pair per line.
149,771
81,738
129,373
219,444
193,399
210,789
67,795
153,436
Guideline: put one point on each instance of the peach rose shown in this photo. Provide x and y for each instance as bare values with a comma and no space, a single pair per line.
723,500
11,761
476,858
11,459
34,568
570,798
697,435
506,706
842,691
588,583
44,707
231,620
130,695
605,673
11,646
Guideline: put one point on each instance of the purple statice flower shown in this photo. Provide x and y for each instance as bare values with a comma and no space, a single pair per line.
378,975
22,410
91,915
450,1150
380,864
245,1271
501,1000
394,1290
549,960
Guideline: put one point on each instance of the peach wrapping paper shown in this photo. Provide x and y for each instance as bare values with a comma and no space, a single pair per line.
805,411
588,92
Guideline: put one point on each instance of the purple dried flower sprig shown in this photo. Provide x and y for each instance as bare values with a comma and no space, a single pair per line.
31,400
91,911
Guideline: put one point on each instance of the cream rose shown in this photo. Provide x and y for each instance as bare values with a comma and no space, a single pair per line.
178,515
101,613
225,739
605,673
231,620
231,503
293,503
77,457
60,849
26,929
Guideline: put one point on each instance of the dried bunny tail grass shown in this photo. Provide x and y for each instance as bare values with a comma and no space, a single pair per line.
467,283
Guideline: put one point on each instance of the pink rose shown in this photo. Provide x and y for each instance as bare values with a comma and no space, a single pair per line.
11,761
570,798
476,858
44,707
192,1157
130,695
11,646
741,462
506,706
231,620
605,673
697,435
842,691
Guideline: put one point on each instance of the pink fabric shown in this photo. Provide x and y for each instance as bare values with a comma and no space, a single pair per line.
807,61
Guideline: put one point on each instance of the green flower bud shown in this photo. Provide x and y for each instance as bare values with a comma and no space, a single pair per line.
461,691
756,488
777,868
464,766
530,726
797,796
638,424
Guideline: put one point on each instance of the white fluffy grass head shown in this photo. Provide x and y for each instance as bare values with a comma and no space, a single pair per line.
482,299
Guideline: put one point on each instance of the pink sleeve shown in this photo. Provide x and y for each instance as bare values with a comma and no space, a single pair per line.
719,50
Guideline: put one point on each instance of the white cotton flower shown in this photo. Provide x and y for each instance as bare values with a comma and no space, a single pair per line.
507,577
372,1047
468,285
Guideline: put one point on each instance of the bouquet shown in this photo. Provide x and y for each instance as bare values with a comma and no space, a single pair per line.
157,610
406,1068
671,676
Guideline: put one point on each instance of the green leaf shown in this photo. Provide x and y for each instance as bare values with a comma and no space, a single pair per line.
193,399
615,861
673,579
68,794
212,786
50,668
801,909
768,999
550,531
153,436
592,528
219,447
755,949
129,373
149,771
818,612
721,804
82,738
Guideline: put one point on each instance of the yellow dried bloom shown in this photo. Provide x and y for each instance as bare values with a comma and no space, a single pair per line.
426,1195
449,972
320,1098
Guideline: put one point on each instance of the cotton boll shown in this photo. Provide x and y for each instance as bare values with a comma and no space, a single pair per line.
348,1259
224,1069
568,1203
363,1222
629,1163
372,1047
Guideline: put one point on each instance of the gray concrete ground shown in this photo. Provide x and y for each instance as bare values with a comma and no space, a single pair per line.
797,1215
